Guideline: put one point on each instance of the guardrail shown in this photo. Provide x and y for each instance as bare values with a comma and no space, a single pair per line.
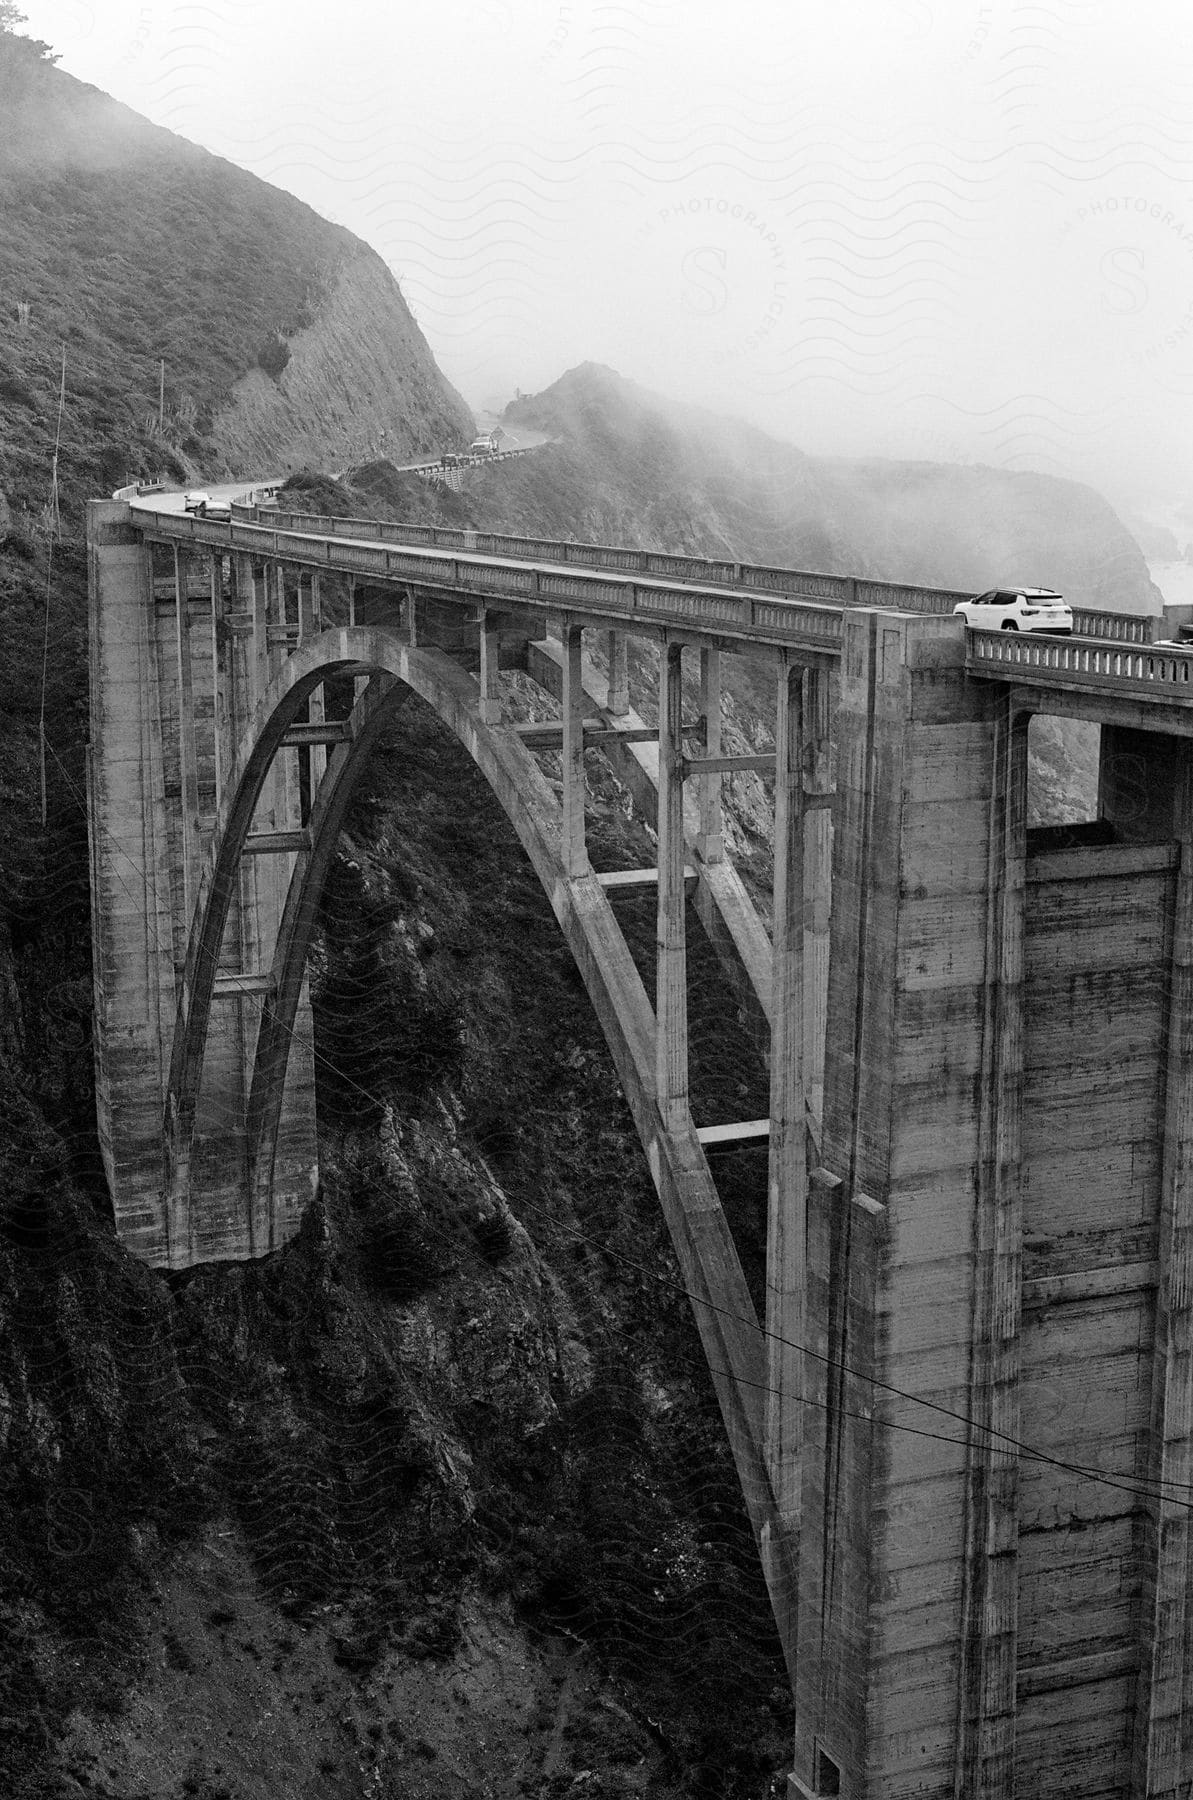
1081,663
1122,628
434,470
839,590
814,620
762,618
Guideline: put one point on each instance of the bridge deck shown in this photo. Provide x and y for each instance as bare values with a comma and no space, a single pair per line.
740,613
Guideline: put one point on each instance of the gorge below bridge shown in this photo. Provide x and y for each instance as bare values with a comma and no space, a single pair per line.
963,1427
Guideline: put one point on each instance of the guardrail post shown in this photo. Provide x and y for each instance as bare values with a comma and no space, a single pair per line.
710,841
575,853
671,999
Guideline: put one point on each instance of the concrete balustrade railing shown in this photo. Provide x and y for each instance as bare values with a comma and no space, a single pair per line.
1123,628
839,590
1021,657
807,611
752,617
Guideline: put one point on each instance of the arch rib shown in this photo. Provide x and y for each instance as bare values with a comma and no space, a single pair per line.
709,1264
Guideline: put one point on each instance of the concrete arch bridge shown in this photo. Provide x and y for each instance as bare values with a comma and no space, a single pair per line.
962,1428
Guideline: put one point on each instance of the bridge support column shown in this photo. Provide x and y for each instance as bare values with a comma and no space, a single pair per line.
985,1752
671,1005
216,621
787,1223
618,702
261,584
154,660
1146,793
188,771
818,875
311,624
895,1243
1166,1676
132,929
575,852
490,700
710,841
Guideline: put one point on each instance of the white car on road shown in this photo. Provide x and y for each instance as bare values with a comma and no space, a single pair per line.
1018,609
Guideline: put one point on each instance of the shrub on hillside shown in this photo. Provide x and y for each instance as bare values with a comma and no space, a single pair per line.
273,355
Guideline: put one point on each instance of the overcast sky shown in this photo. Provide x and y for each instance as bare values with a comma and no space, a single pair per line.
925,228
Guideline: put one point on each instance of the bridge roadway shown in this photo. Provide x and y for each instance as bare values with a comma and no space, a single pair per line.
735,605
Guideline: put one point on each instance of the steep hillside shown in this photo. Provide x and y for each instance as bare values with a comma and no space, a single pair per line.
641,469
627,466
284,338
439,1496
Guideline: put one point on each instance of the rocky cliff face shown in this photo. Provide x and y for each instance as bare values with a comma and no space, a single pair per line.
438,1496
358,378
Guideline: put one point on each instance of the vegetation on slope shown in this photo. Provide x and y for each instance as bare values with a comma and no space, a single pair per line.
130,246
473,1380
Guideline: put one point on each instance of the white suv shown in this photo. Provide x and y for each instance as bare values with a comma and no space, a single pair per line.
1018,609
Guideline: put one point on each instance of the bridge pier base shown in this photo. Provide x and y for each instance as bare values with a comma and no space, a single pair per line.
892,1244
175,677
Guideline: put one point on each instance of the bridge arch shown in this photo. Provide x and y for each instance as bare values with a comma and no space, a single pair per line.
392,669
707,1257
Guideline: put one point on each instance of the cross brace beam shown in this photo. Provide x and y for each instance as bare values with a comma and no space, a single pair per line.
548,734
636,878
728,1137
328,731
727,765
239,987
275,843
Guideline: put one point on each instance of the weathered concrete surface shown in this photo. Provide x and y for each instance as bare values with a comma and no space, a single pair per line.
195,631
991,1473
1002,1261
891,1249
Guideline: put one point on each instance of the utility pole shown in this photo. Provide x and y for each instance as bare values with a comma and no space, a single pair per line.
161,398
